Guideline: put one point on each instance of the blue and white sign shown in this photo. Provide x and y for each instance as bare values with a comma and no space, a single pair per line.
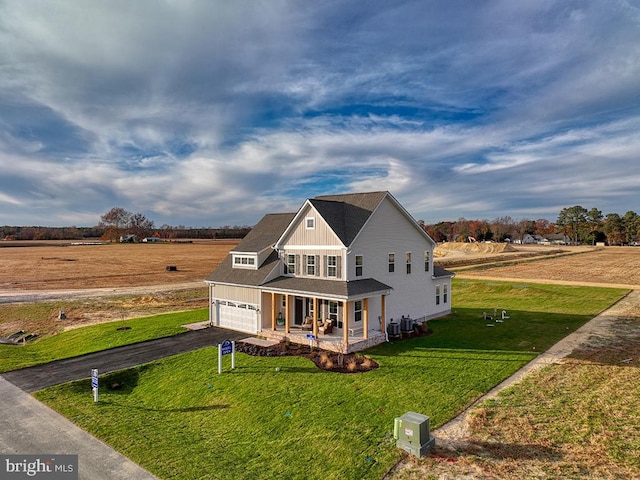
94,383
226,347
311,336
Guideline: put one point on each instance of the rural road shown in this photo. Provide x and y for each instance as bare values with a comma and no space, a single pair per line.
38,377
25,296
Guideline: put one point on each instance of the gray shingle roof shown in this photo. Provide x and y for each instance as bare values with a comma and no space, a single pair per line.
441,272
265,233
225,273
347,214
330,288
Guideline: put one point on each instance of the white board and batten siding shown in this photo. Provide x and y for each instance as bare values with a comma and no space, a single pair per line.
320,235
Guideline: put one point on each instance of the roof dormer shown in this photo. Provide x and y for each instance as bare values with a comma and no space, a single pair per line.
248,261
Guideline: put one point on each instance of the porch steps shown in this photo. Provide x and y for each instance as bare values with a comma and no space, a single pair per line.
261,342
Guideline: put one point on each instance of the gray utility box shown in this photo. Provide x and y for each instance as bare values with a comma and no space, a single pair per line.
412,434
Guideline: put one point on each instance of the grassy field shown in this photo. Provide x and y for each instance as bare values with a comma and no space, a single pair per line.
574,420
179,419
96,338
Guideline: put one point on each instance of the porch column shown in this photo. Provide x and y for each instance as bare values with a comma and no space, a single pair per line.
383,319
365,318
345,324
273,311
287,327
211,307
315,317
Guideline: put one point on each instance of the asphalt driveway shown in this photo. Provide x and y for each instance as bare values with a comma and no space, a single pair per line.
30,427
35,378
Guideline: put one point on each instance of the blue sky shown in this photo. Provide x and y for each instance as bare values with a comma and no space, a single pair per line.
206,113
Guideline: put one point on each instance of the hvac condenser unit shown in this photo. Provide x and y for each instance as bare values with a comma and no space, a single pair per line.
412,434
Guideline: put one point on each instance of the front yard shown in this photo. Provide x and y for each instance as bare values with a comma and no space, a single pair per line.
284,418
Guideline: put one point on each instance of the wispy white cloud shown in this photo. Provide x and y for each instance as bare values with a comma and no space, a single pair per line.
210,113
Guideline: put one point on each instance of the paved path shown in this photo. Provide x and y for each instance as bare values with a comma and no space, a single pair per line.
30,427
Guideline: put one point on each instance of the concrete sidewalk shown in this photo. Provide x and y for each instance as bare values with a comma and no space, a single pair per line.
30,427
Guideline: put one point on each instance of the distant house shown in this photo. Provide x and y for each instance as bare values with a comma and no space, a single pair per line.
528,239
129,238
556,239
345,265
151,239
551,239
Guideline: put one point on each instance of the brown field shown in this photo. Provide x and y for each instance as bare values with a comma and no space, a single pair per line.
611,266
111,265
101,283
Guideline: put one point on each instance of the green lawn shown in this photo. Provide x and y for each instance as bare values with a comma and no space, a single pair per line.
179,419
96,338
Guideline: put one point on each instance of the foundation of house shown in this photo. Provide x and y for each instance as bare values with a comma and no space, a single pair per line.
331,342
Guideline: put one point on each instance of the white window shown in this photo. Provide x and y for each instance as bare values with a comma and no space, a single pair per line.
311,264
333,311
310,223
408,262
359,262
437,294
392,262
290,266
244,261
427,257
357,307
445,292
332,266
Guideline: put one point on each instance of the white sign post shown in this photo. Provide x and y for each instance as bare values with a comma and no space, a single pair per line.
94,384
225,348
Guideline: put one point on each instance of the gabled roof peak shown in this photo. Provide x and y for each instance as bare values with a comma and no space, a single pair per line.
346,214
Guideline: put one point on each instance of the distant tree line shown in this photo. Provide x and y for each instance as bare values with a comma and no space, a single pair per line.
118,223
580,225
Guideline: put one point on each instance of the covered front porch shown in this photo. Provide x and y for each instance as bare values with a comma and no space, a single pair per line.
332,342
331,322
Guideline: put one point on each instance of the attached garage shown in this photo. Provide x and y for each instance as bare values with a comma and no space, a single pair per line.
237,316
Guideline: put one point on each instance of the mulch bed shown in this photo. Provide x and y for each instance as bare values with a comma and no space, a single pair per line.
324,359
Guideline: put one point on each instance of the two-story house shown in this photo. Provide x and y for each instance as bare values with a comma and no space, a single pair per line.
358,260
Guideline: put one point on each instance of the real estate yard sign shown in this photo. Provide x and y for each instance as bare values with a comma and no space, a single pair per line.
226,348
94,383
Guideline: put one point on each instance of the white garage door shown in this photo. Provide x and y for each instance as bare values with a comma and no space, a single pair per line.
238,316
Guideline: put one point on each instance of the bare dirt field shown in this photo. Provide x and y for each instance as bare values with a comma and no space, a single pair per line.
101,283
611,266
67,266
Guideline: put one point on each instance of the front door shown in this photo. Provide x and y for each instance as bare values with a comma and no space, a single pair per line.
298,311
